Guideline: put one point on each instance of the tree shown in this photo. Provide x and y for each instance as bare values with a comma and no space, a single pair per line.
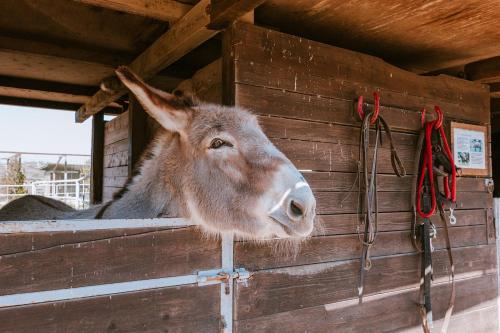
15,175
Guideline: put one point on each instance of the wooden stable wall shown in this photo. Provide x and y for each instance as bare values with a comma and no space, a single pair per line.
304,93
116,150
60,260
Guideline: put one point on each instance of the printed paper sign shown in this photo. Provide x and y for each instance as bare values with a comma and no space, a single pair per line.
469,149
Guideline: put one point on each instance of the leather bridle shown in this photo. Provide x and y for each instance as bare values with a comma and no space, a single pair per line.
367,184
434,159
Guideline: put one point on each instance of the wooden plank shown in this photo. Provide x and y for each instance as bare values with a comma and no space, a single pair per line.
116,159
290,288
97,158
114,181
53,105
284,128
322,156
116,129
109,191
144,256
44,90
341,224
138,135
16,243
116,147
116,172
347,181
186,34
206,84
163,10
276,60
225,12
345,247
495,90
485,71
385,312
185,309
51,68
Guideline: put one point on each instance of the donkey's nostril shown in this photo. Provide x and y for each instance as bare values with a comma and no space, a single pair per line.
296,208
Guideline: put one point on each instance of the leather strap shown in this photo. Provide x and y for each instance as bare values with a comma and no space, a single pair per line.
367,188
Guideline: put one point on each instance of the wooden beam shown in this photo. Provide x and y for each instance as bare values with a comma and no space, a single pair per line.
68,50
44,90
485,71
51,68
495,90
97,167
52,105
225,12
185,35
138,135
206,83
163,10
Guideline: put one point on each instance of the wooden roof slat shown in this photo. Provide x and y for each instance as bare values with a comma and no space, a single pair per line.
185,35
163,10
51,68
485,71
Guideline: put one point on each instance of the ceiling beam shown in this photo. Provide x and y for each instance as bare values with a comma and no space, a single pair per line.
186,34
53,105
52,68
495,90
163,10
225,12
484,71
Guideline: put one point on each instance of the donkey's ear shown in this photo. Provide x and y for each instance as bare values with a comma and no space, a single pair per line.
170,111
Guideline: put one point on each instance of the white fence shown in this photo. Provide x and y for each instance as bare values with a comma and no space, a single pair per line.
74,192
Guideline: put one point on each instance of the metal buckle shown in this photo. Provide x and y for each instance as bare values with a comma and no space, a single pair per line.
453,219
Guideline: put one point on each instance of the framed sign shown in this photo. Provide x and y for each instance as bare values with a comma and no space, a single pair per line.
470,148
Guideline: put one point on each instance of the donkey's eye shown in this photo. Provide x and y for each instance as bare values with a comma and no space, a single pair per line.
217,143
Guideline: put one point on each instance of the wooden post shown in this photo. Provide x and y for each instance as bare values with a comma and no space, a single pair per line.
97,167
228,78
138,134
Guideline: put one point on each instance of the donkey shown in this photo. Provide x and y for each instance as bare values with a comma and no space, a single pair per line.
208,163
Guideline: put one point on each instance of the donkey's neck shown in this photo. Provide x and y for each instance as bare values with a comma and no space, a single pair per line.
151,193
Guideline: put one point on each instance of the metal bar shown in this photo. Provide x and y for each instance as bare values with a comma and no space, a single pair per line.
496,212
226,289
13,227
46,154
93,291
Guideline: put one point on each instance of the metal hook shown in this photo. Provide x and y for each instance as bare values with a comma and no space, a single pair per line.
453,219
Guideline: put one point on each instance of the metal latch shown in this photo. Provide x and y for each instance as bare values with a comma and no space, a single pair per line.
216,276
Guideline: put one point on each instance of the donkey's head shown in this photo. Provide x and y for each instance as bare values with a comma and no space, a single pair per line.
231,177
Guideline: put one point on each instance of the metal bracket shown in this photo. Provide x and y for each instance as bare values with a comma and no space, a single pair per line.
216,276
489,183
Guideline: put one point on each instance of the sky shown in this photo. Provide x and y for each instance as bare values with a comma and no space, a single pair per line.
37,130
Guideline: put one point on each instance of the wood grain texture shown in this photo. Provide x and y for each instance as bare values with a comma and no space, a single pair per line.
475,310
142,256
418,35
164,10
346,247
291,288
176,309
302,66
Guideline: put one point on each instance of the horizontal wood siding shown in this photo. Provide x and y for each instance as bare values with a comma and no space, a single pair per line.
115,155
81,261
175,309
304,94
